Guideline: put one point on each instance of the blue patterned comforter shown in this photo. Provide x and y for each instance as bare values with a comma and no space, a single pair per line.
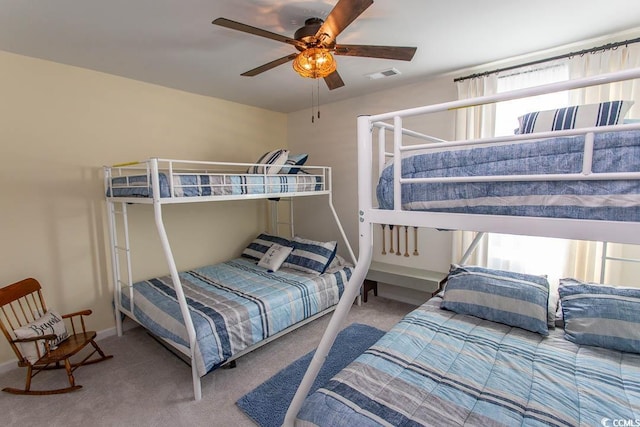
438,368
194,185
233,305
603,200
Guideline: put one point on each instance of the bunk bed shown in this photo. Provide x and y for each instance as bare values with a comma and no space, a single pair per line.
212,315
458,359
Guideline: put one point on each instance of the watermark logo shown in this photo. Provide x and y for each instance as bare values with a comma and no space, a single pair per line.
620,422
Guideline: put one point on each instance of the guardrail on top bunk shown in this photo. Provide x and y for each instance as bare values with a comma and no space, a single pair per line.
184,181
454,219
378,121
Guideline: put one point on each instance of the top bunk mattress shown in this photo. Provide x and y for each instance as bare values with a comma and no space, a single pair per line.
612,200
215,184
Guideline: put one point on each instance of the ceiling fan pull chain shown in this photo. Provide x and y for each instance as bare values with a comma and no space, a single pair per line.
318,81
313,119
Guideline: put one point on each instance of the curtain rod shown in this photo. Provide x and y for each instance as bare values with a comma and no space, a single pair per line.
607,46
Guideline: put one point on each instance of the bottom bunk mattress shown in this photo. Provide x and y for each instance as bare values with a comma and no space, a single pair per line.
611,200
233,305
439,368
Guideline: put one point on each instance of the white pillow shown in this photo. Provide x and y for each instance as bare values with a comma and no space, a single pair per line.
50,323
274,257
274,161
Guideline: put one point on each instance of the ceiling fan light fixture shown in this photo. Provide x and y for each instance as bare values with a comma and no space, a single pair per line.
314,63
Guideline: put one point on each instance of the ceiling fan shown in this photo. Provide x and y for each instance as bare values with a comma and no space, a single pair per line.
316,42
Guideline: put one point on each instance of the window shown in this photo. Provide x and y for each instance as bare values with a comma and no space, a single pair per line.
507,113
533,255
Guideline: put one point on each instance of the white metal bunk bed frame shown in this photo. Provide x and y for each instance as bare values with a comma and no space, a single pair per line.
152,168
369,214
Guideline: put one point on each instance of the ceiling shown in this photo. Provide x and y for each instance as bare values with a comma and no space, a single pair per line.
173,43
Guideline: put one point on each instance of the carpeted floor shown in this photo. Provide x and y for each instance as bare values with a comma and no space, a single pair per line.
146,385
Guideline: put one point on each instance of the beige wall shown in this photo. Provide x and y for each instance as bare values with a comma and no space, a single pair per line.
59,125
331,141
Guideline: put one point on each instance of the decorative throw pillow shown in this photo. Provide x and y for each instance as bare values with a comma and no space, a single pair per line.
274,257
257,248
311,256
50,323
294,160
601,315
577,116
515,299
270,162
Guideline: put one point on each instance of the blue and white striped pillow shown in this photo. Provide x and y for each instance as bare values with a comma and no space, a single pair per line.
601,315
311,256
292,163
270,162
515,299
574,117
261,244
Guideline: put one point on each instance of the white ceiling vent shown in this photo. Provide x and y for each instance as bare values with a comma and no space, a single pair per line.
384,73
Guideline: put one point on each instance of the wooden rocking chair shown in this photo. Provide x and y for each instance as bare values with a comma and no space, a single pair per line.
23,310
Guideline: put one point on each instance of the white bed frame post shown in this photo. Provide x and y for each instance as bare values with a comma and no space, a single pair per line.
184,308
113,247
362,266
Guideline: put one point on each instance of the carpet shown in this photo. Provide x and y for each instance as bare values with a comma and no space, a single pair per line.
267,404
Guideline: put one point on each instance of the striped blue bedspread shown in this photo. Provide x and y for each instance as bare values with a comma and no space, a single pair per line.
233,305
602,200
194,185
438,368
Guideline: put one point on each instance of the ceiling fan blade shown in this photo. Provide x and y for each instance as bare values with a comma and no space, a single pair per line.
227,23
401,53
343,14
270,65
334,81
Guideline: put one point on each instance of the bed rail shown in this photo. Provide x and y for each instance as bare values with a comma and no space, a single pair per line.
187,181
550,227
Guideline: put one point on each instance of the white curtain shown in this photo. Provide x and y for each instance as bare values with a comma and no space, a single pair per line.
622,58
474,122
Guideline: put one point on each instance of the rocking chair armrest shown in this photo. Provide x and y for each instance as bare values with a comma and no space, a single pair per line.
73,318
78,313
39,337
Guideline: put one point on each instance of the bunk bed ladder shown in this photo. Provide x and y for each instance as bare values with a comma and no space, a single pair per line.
276,222
117,251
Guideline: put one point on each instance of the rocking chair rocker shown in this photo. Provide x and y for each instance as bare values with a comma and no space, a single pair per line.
37,336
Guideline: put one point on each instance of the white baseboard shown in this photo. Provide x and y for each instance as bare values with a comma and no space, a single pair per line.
7,366
405,295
